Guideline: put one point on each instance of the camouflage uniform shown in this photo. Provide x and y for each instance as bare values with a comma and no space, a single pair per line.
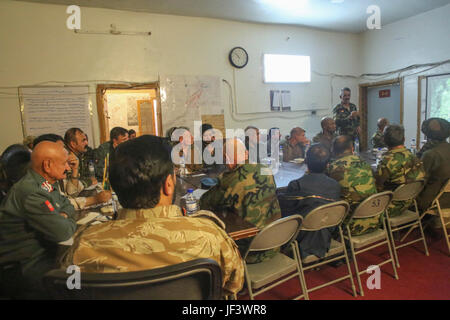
143,239
292,152
249,194
398,166
344,124
357,183
378,140
31,227
324,140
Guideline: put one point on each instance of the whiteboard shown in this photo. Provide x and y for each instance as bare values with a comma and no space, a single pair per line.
55,109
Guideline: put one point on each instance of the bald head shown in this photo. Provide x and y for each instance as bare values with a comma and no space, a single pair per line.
382,123
49,159
235,152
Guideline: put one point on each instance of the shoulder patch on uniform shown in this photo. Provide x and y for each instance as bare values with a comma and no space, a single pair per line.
47,186
49,206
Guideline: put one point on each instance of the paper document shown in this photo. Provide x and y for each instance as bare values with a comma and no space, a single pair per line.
89,217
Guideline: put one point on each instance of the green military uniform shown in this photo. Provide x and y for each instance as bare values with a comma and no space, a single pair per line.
344,124
437,168
324,139
292,152
378,140
248,193
357,183
31,227
104,151
398,166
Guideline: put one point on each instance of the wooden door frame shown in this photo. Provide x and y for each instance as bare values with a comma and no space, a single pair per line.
363,88
101,89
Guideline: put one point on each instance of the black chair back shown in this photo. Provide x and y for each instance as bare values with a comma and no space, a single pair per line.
199,279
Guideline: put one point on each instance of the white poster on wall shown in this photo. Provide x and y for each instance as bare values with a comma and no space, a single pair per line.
184,99
55,109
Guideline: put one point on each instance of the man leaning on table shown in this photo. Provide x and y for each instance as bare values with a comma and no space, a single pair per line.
150,231
34,218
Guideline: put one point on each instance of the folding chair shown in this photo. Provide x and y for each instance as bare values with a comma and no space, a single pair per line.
263,276
327,216
436,210
374,206
407,219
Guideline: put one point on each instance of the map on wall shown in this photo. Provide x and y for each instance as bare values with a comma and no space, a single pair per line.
184,99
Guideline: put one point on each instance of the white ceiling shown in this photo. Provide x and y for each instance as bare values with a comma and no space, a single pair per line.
336,15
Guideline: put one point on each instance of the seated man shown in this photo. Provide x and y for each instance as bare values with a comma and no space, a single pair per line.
14,164
328,133
398,166
151,232
246,191
312,194
377,138
34,218
188,149
357,182
295,144
105,152
77,142
436,162
71,186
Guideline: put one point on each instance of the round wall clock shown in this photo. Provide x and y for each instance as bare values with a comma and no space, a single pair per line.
238,57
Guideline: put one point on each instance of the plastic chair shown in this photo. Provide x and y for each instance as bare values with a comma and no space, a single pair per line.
436,210
408,218
327,216
263,276
199,279
373,206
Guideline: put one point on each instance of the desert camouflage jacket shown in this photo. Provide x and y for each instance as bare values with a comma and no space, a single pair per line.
153,238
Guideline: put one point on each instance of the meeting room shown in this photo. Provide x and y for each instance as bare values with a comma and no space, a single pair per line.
237,150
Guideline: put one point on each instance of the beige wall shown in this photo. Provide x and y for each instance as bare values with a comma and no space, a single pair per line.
38,48
417,40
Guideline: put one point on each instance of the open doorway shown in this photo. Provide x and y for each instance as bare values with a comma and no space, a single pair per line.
379,100
130,107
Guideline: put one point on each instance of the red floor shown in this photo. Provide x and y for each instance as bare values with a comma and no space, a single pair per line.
420,277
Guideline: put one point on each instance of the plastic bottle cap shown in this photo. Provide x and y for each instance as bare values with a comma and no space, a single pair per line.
190,190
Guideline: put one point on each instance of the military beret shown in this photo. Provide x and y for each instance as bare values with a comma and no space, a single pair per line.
436,128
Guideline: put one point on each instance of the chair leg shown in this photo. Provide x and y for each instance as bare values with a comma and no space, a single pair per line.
301,278
361,291
421,229
249,283
390,250
391,240
348,263
444,227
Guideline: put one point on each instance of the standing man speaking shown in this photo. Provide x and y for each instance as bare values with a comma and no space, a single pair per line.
346,115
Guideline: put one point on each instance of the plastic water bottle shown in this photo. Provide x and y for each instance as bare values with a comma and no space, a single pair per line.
413,146
115,205
182,167
280,155
91,169
191,202
356,145
379,155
